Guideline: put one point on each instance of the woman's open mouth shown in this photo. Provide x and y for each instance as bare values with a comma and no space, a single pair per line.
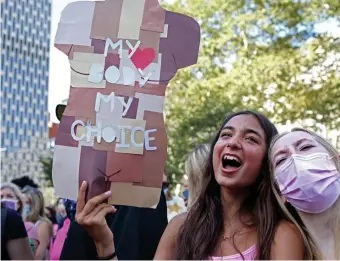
231,163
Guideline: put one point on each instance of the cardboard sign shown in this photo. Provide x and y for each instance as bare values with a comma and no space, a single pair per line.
122,54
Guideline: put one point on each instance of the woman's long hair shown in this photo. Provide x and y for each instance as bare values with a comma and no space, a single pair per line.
333,212
204,226
37,205
194,168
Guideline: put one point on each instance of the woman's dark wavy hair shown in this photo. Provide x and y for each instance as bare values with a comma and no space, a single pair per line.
203,226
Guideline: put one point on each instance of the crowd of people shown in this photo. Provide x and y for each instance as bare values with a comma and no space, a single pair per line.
21,200
251,194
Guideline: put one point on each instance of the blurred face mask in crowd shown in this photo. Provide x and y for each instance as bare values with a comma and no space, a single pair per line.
27,210
10,203
8,199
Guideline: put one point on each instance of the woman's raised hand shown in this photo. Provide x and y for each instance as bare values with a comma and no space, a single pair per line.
91,215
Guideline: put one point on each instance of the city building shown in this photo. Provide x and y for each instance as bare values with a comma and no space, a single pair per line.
25,47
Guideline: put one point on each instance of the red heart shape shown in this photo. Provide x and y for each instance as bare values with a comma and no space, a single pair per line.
142,58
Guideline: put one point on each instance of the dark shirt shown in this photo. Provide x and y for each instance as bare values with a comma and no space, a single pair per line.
13,228
137,232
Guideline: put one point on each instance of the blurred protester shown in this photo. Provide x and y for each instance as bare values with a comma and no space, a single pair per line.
32,232
58,242
14,242
35,213
175,204
70,206
186,195
11,197
195,165
60,212
24,181
51,215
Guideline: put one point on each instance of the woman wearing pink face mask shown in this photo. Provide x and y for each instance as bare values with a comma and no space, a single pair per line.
306,169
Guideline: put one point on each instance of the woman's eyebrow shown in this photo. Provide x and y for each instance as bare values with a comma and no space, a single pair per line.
283,151
298,143
254,132
228,128
248,130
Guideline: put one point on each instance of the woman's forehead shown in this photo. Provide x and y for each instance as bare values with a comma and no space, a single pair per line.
289,139
244,122
8,190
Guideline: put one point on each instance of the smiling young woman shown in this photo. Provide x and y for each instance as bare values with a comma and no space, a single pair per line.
306,169
236,215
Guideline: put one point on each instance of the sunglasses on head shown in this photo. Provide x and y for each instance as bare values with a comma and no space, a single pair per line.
29,188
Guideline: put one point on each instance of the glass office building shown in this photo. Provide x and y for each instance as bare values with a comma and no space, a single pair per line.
25,46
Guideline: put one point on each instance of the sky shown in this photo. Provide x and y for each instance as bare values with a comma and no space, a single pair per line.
59,80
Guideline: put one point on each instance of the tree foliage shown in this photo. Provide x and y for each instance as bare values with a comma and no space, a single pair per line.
47,170
262,55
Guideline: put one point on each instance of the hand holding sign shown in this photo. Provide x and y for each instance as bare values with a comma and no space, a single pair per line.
91,215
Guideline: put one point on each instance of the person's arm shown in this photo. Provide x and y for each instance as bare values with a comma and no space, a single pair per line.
92,216
18,246
288,243
167,245
19,249
44,234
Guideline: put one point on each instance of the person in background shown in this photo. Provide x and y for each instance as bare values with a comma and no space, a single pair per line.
32,233
60,211
306,169
14,242
10,193
70,206
175,204
51,215
36,214
186,195
58,241
194,166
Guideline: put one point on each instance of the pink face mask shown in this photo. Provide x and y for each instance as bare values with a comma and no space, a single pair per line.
310,183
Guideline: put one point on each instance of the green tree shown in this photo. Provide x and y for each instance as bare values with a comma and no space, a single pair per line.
261,55
47,170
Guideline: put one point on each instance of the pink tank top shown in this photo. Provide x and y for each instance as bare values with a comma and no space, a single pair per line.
249,254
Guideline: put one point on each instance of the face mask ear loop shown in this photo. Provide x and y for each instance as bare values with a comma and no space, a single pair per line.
335,156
